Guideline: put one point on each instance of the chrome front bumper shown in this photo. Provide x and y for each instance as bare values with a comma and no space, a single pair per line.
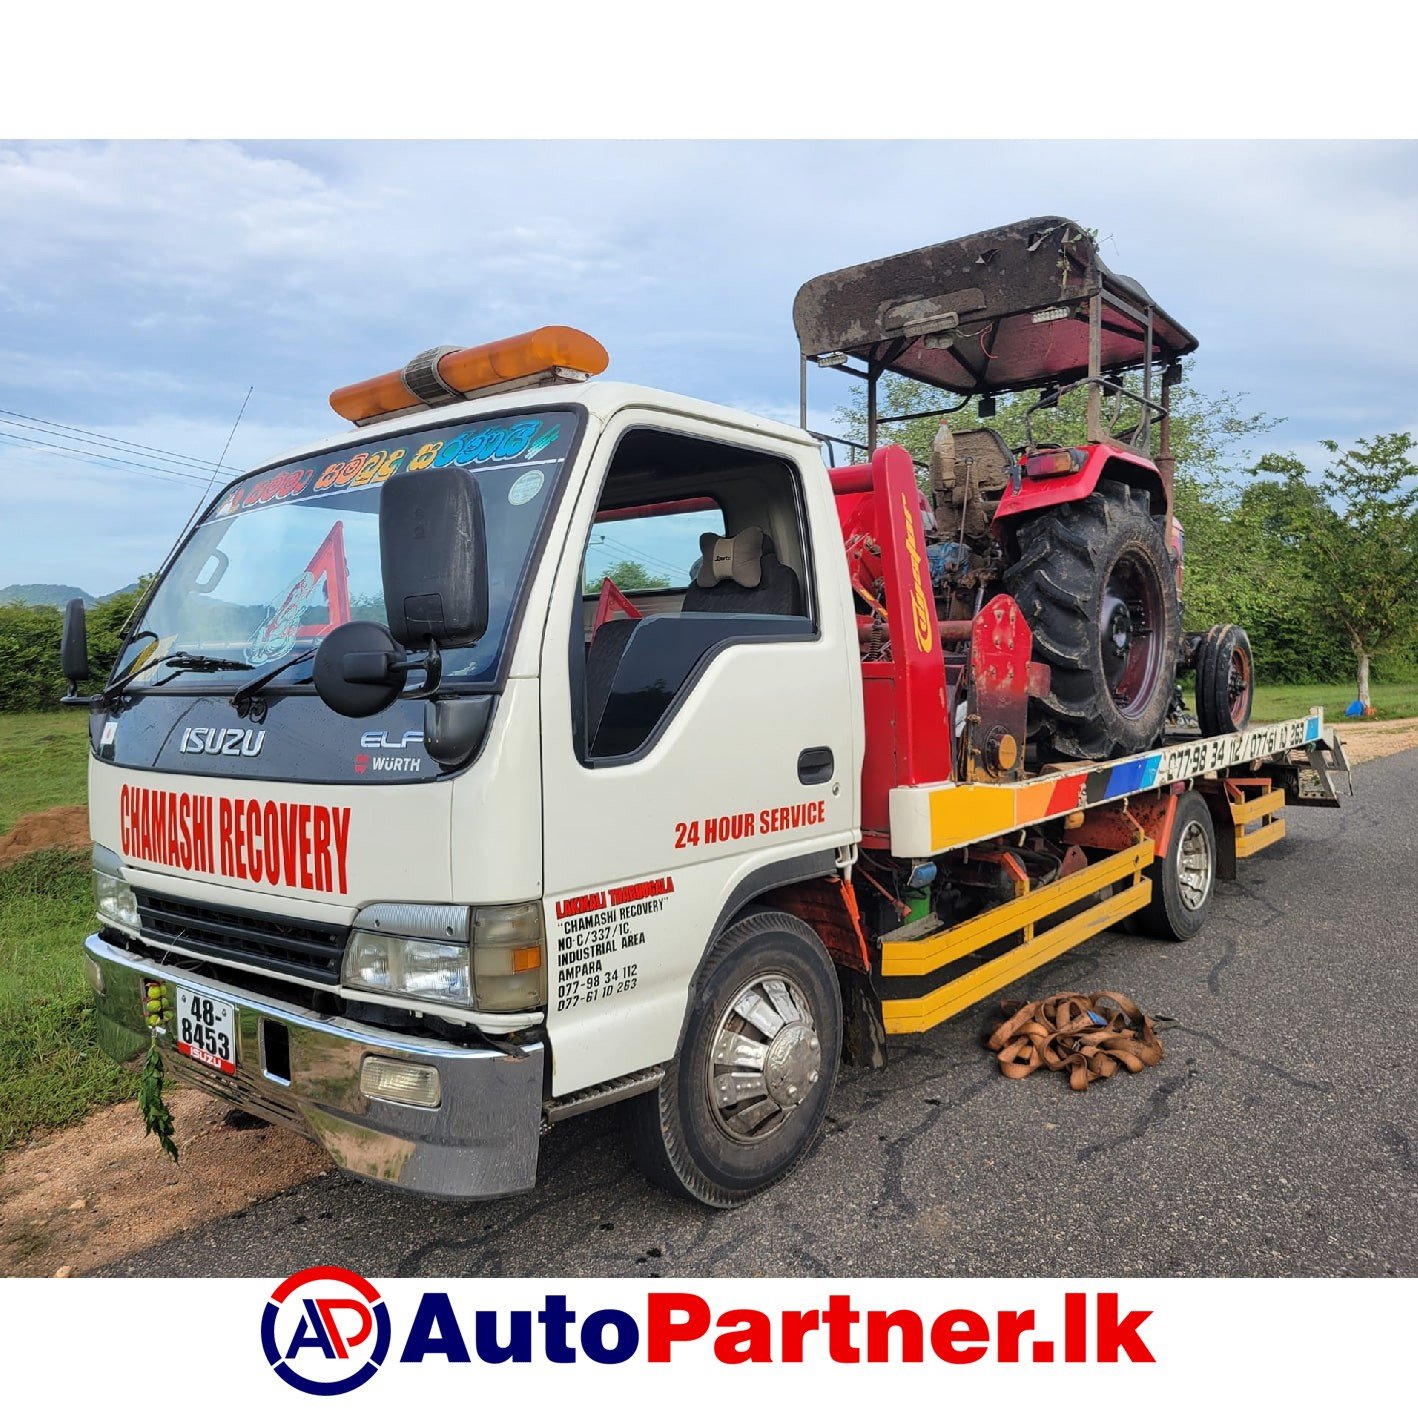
480,1141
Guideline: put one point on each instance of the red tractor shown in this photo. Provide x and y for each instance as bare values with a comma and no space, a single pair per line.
1082,536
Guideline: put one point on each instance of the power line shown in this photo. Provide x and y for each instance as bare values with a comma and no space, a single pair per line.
143,469
638,553
165,454
68,439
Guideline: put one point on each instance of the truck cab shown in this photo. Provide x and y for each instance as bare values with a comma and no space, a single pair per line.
418,928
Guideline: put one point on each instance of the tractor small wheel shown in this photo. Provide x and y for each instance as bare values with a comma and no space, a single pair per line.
1225,681
1184,880
745,1097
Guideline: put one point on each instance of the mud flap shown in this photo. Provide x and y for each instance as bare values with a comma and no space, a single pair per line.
863,1032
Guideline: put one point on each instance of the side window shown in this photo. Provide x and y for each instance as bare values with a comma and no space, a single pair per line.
696,546
653,548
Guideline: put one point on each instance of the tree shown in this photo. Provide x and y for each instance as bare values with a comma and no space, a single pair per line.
29,650
1208,431
1235,569
628,575
1354,527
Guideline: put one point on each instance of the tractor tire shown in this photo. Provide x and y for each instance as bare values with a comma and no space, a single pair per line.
1225,681
1098,587
745,1097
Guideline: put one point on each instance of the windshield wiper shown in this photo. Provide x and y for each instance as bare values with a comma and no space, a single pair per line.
245,696
180,662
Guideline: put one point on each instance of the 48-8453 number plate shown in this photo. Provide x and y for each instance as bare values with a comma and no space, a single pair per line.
205,1030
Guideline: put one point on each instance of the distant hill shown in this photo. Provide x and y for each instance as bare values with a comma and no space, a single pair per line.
40,593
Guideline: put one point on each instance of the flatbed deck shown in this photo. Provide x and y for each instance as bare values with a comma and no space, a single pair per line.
930,970
935,817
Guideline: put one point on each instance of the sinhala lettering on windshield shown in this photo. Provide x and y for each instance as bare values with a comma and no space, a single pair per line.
519,440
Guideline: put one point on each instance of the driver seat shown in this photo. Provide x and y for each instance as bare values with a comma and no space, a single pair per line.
742,575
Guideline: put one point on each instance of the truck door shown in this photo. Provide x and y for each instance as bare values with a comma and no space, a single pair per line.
701,709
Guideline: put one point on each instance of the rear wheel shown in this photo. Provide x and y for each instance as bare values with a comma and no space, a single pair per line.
745,1098
1098,587
1225,681
1184,880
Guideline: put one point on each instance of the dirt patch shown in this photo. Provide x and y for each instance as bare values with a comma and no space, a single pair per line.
90,1194
39,831
1363,742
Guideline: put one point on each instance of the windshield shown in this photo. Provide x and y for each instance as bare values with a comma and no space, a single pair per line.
288,553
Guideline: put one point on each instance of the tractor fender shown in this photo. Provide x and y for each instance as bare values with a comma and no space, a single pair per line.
1115,464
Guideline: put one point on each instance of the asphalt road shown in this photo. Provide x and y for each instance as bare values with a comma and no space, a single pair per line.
1276,1137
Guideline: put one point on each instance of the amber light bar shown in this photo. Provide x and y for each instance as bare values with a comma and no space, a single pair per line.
448,374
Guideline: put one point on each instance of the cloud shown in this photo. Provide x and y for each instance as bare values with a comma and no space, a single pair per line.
145,286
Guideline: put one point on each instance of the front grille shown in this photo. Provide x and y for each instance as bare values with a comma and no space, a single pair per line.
303,949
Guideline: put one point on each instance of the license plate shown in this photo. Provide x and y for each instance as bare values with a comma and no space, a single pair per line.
206,1030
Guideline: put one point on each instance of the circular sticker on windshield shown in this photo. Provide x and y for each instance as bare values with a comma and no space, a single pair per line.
525,488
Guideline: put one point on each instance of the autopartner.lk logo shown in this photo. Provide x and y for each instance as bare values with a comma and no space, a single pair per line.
325,1330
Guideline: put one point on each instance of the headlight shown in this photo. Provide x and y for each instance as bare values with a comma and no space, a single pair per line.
500,968
421,969
114,901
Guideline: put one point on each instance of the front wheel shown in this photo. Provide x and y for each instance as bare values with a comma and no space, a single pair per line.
1225,681
745,1098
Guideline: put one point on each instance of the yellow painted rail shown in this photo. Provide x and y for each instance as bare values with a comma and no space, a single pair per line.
923,956
1258,822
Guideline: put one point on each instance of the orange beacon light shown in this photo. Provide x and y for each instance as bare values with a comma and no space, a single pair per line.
449,373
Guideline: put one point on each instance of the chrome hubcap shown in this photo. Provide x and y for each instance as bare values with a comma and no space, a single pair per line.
766,1059
1194,867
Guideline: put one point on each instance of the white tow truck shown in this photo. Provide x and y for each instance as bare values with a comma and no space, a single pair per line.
418,832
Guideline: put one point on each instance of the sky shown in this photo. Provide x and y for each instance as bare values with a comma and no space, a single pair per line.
144,287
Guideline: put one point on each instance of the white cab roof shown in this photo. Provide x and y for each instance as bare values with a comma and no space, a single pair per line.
601,397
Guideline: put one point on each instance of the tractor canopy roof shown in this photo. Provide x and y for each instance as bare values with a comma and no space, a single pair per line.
1003,309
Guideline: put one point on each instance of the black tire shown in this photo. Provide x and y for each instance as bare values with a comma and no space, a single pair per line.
1098,586
1180,901
1225,681
692,1146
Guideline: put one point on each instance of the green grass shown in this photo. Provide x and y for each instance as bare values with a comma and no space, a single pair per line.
1275,702
51,1070
44,762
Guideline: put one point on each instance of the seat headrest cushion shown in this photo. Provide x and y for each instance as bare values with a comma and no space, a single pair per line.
732,558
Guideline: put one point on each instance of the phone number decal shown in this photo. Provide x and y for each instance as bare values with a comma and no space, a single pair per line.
1212,754
596,930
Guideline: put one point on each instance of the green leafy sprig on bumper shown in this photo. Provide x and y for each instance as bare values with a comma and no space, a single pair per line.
157,1117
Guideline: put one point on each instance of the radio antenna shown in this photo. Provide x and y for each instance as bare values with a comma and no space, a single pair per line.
142,601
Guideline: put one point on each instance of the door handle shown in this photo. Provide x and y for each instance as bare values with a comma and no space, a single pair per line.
815,765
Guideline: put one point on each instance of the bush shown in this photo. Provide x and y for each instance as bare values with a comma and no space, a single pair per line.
30,677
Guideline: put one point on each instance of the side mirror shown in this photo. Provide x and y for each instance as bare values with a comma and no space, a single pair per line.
359,670
74,647
433,545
